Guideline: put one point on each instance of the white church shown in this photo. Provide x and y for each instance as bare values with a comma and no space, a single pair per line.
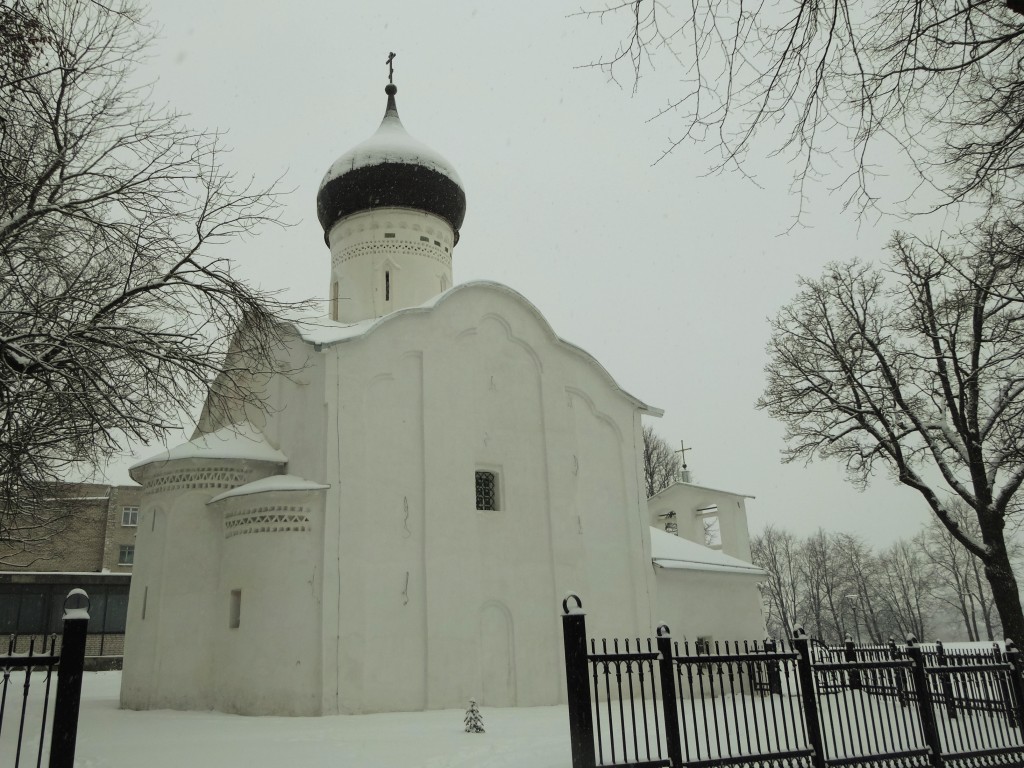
397,530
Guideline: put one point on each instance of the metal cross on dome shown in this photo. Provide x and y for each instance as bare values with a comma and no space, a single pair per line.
391,67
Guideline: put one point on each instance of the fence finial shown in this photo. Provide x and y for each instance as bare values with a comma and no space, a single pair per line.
77,594
565,604
664,631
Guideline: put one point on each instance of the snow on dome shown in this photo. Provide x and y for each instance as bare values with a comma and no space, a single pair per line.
236,441
391,169
390,144
671,551
272,483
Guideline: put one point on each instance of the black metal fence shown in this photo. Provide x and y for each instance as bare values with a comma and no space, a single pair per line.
799,704
28,675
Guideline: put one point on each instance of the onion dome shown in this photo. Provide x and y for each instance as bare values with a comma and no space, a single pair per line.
391,169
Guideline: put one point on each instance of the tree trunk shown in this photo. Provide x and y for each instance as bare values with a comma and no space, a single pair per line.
984,602
1004,594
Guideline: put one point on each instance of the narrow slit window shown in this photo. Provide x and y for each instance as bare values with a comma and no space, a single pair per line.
387,285
424,239
145,600
235,616
389,234
487,491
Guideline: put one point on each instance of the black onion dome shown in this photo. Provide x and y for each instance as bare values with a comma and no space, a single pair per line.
391,169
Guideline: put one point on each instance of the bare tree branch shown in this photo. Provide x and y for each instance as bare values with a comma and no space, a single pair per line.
840,84
915,368
116,310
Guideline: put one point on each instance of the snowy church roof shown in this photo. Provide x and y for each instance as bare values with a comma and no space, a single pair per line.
272,483
236,441
325,332
391,169
673,552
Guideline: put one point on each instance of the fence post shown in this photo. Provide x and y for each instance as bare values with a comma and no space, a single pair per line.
581,722
901,690
944,681
809,696
924,701
850,654
1017,684
772,667
666,666
69,682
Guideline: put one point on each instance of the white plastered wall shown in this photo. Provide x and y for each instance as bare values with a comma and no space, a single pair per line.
686,499
719,605
270,663
432,602
169,651
387,259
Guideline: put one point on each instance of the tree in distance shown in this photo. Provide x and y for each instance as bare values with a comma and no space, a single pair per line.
938,82
915,368
116,309
661,463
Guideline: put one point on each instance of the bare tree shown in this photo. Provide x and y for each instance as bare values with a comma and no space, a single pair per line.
860,564
777,552
916,369
827,612
939,82
957,580
661,463
904,589
115,310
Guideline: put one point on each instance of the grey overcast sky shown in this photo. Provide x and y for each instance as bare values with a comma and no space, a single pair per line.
665,274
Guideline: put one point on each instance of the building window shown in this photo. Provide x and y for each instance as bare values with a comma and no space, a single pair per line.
235,611
129,516
487,491
126,555
387,285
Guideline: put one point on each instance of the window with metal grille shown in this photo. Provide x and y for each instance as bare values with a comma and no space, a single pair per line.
129,516
487,490
126,554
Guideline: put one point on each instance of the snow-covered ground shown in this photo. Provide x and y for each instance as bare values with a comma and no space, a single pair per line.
109,737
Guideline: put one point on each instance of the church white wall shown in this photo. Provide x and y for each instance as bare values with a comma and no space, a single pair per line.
169,654
387,259
721,606
431,601
272,559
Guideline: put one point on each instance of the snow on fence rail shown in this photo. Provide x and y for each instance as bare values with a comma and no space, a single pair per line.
654,702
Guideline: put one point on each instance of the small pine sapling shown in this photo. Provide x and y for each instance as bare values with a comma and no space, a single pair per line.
474,720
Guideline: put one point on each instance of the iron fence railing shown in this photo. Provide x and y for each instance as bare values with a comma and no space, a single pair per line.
32,707
799,704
